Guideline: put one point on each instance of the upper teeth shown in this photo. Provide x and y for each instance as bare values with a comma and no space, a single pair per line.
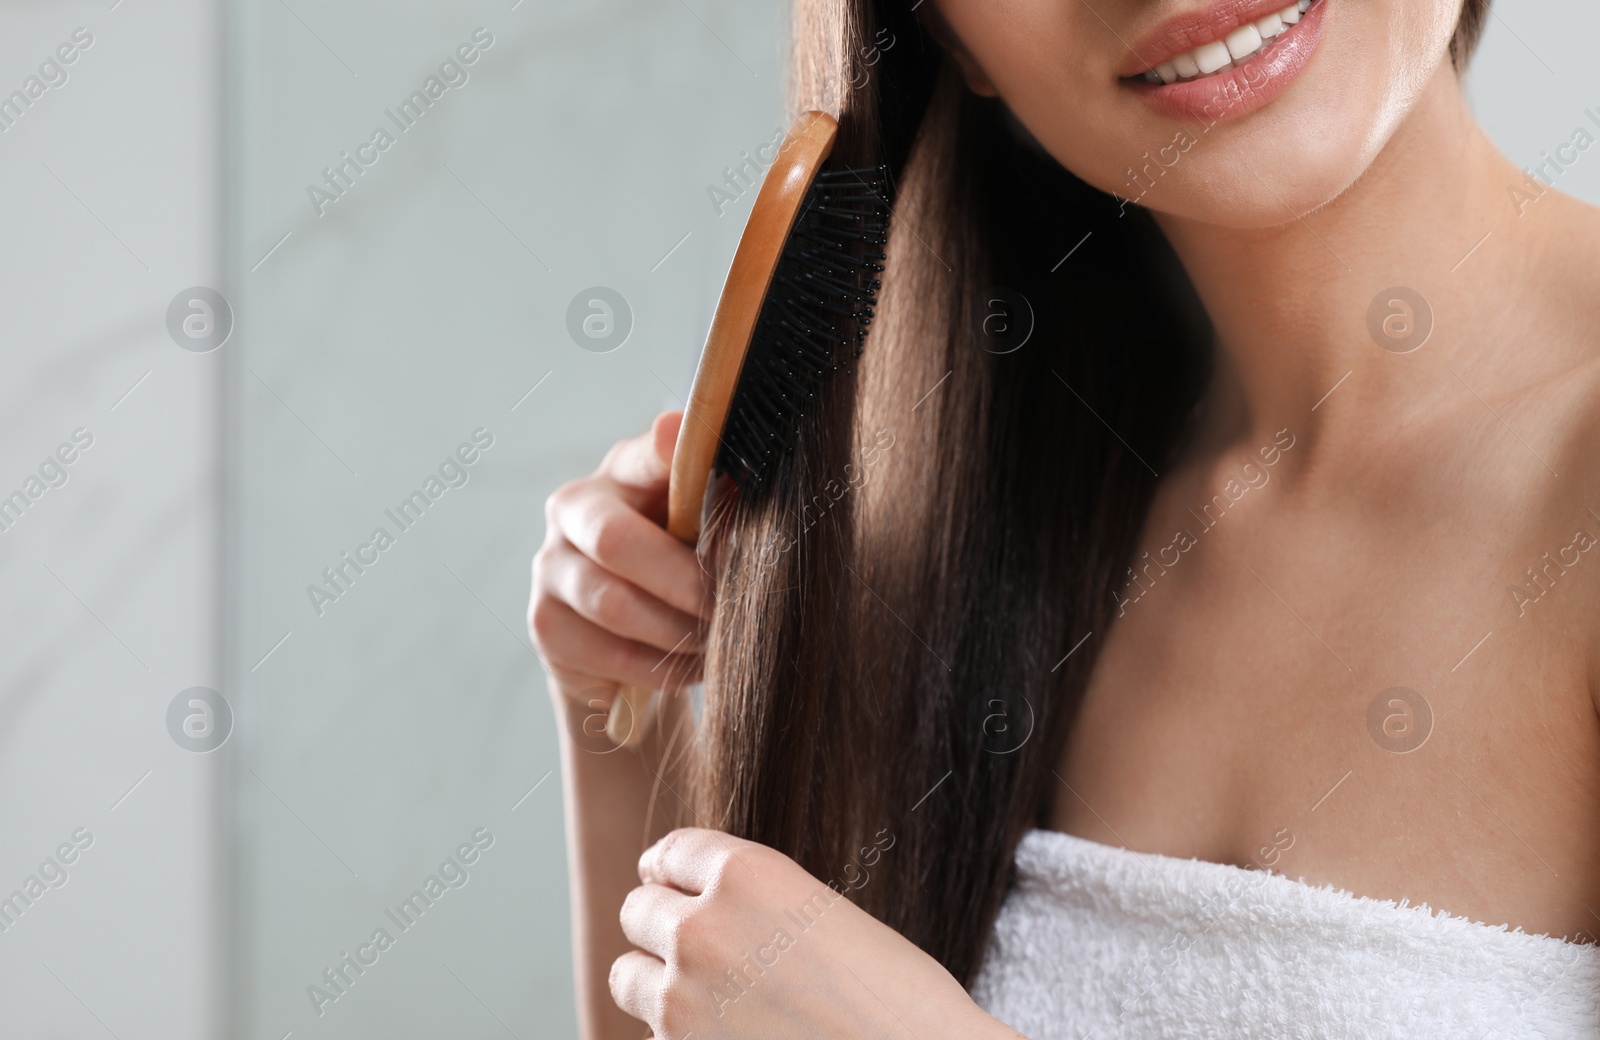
1236,46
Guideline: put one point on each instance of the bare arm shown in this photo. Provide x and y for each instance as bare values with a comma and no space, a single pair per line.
616,600
618,804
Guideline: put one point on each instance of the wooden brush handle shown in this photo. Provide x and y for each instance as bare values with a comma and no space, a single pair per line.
631,712
805,148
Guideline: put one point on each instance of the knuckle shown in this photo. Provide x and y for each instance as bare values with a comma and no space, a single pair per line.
542,563
739,858
667,842
610,540
722,870
542,623
558,502
738,868
610,602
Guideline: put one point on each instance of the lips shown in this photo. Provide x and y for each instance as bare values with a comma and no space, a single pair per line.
1208,59
1192,29
1227,60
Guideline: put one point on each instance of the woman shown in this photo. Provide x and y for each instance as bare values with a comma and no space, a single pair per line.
1213,590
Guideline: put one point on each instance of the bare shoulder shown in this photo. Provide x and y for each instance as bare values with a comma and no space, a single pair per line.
1573,425
1558,418
1556,330
1568,263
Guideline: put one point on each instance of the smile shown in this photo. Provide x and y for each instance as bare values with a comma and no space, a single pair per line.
1209,59
1224,61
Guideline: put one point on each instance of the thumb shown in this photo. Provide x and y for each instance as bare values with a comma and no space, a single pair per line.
665,434
644,463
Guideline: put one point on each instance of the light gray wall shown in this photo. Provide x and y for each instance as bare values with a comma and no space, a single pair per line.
372,740
109,191
1533,82
423,305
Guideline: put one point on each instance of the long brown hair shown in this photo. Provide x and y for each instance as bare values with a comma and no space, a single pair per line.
889,683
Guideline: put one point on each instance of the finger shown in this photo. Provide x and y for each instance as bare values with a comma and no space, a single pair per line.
664,433
575,646
617,605
619,539
650,917
645,462
637,983
692,859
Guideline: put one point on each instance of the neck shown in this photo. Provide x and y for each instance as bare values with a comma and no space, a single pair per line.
1290,304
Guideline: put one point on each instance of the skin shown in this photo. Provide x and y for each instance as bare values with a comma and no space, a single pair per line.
613,598
1227,716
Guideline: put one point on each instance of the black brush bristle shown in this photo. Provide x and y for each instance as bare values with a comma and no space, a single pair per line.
812,322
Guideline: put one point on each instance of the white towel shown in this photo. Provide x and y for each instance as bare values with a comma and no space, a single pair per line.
1101,942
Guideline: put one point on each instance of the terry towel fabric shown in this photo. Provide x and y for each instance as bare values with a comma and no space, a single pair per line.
1101,942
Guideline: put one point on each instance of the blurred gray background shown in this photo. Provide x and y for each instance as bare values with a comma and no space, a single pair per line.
375,732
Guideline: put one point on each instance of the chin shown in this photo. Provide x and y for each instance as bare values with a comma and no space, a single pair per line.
1267,140
1268,173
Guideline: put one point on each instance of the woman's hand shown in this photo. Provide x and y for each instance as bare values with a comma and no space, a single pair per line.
737,941
615,598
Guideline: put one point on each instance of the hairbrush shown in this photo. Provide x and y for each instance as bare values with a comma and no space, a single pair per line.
794,309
